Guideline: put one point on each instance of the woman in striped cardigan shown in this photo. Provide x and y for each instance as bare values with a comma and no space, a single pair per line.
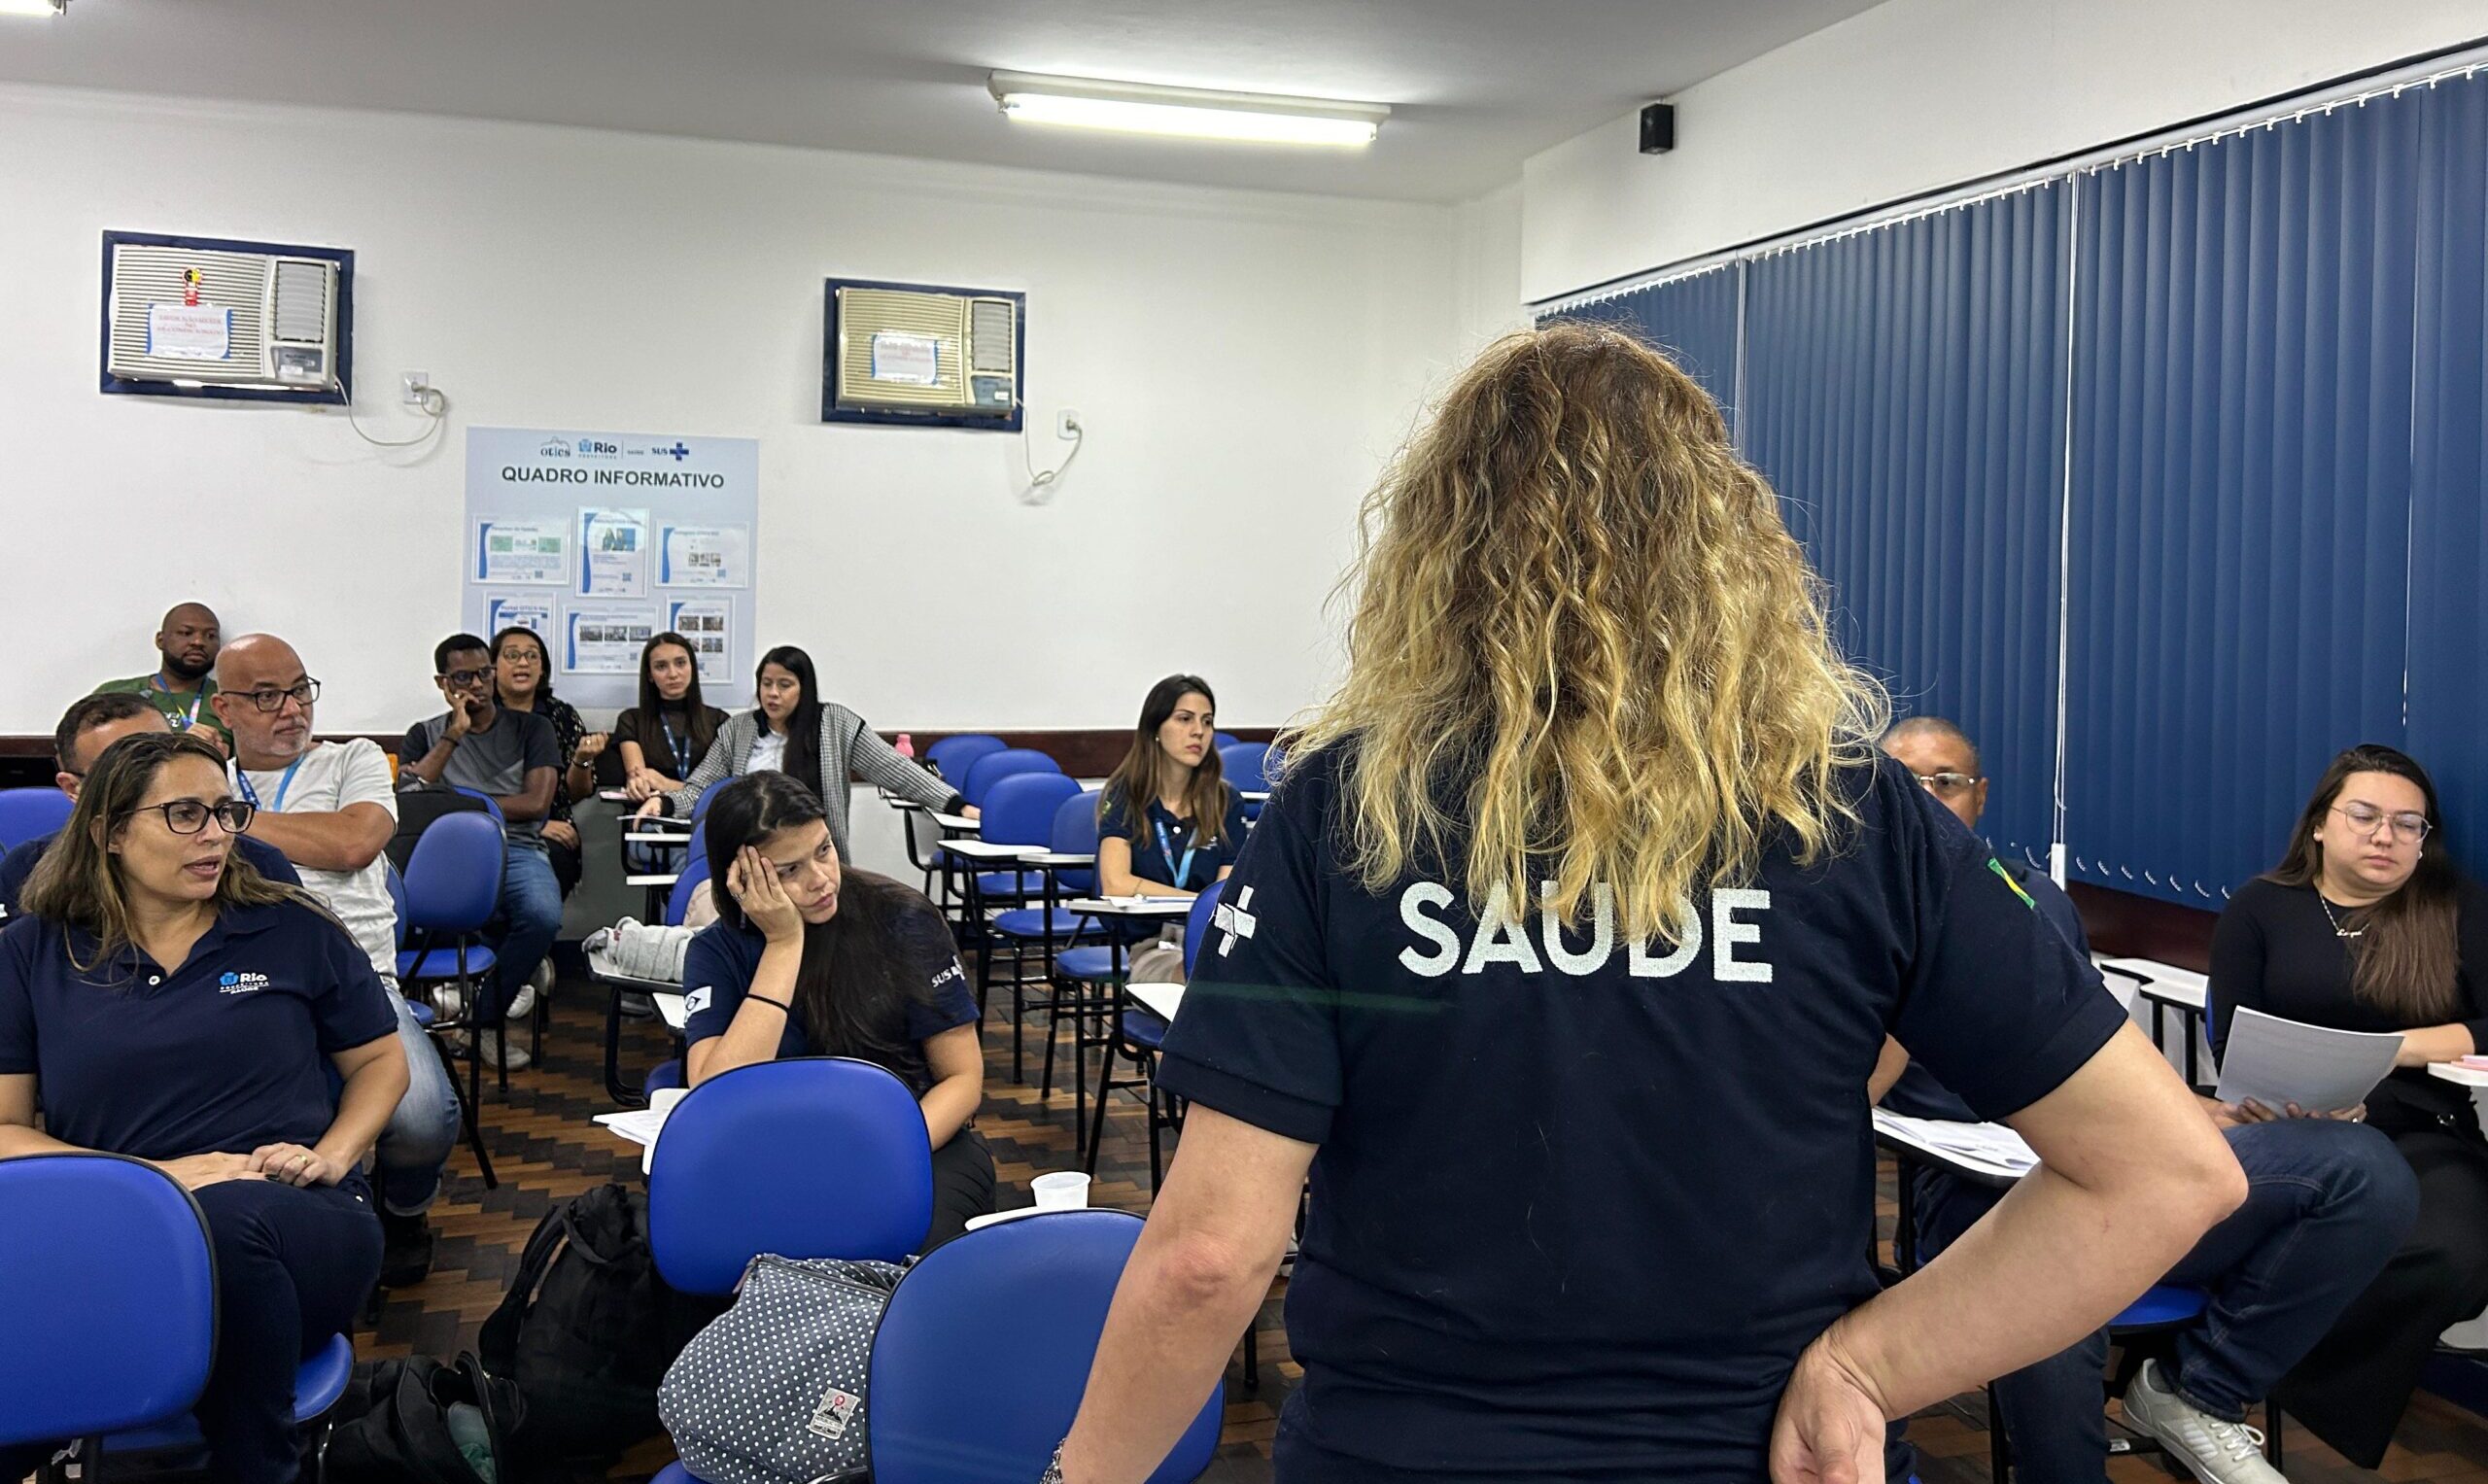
819,742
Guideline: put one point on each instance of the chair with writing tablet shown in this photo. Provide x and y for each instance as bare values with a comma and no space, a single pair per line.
1138,1036
2139,1333
1014,909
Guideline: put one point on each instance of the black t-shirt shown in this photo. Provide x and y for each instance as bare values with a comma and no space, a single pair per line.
665,737
718,965
1579,1203
2275,951
1917,1094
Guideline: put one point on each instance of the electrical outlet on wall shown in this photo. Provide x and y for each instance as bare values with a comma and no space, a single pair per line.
1066,424
413,387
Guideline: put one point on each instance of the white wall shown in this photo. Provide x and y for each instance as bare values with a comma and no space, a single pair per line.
1243,362
1489,267
1920,94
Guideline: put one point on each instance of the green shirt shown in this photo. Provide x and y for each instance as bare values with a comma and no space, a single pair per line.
178,710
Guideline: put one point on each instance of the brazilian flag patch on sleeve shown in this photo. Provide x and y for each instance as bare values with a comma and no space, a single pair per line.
2012,885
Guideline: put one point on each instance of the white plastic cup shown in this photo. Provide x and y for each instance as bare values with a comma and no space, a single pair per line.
1062,1191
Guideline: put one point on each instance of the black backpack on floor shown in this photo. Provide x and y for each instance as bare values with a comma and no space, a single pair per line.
394,1424
588,1328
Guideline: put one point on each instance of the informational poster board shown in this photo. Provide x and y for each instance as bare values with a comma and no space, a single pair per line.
597,540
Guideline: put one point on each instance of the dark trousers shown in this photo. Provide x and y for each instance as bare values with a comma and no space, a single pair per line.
292,1267
962,1185
2353,1386
2326,1204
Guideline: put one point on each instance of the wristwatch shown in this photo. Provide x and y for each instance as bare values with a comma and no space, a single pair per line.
1054,1469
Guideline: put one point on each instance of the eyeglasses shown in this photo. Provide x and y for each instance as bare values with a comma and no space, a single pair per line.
466,680
188,817
1947,785
268,697
2364,818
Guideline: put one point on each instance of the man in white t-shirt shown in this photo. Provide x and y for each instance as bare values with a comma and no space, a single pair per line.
332,807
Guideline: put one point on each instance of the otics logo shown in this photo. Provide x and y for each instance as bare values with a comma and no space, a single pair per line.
555,448
231,982
598,448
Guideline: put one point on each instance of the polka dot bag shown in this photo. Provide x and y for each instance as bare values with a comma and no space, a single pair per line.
772,1392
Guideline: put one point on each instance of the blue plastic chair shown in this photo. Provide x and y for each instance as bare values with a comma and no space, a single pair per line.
1242,763
429,1019
1139,1035
953,756
994,767
1010,1316
1223,740
31,814
678,901
108,1293
491,805
453,889
730,1182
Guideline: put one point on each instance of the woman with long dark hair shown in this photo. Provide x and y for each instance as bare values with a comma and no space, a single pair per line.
163,1000
1559,960
523,681
808,958
818,743
2367,924
1168,824
665,737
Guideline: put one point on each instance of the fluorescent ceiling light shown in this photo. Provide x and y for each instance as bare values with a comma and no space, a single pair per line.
1193,113
46,7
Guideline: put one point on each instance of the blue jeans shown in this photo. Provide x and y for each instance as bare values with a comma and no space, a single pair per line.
423,1129
2326,1202
530,917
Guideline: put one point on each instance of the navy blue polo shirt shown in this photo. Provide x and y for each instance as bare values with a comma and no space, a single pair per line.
1163,860
1917,1094
1579,1202
19,863
226,1053
720,961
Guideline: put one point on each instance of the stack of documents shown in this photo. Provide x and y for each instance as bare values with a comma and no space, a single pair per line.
1990,1146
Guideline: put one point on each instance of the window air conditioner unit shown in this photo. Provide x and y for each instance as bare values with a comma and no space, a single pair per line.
918,356
247,320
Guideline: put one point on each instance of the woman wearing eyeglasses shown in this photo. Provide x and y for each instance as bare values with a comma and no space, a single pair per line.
164,1001
2368,925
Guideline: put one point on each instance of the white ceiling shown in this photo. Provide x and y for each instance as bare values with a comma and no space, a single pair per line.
1475,85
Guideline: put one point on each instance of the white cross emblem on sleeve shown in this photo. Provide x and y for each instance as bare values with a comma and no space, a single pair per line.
1235,919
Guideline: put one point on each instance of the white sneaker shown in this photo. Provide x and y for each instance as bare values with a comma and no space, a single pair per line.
448,1002
519,1060
2217,1452
523,1003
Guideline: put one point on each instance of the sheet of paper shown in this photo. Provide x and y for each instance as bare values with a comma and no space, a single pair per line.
527,553
604,642
190,332
2277,1063
914,361
643,1125
614,553
704,556
504,610
708,624
1988,1146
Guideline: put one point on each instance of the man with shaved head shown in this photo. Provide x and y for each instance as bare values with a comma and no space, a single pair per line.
182,688
332,807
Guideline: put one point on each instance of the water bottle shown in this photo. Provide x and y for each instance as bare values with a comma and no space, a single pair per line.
907,746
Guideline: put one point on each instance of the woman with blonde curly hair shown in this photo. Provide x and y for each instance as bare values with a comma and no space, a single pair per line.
1560,959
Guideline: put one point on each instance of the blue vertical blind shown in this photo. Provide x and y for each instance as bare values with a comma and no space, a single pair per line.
1904,393
2448,701
1693,319
2239,499
2237,393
